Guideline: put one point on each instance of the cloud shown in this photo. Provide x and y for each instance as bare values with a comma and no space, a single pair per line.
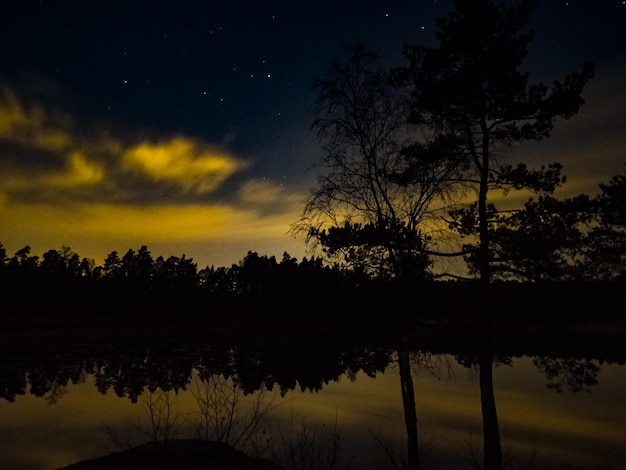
45,157
61,185
187,164
590,144
266,196
95,229
97,192
39,153
31,126
78,173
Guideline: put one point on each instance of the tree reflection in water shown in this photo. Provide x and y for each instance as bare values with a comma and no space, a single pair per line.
220,377
568,373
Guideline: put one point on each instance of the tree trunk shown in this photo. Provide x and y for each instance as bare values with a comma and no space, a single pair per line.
491,431
408,402
483,222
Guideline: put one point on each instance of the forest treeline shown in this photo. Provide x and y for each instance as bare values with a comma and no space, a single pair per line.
139,269
64,279
136,283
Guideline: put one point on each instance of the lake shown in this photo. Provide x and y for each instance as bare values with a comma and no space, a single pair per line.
66,401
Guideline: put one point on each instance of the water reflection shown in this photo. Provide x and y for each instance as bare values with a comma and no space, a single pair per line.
65,401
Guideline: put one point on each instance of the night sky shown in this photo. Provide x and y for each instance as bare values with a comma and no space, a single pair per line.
184,126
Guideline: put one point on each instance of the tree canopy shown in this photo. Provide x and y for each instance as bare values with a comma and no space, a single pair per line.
471,90
404,147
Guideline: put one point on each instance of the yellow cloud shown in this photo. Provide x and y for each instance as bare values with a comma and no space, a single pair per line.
188,164
30,127
79,172
220,233
184,163
96,229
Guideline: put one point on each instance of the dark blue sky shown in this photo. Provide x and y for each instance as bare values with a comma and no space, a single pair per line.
86,84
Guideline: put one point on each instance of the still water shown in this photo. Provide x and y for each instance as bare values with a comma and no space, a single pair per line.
79,405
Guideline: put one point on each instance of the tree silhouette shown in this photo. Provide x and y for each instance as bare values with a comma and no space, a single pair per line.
469,91
361,212
23,263
220,280
604,252
543,240
63,263
175,273
256,273
112,266
137,267
613,199
3,256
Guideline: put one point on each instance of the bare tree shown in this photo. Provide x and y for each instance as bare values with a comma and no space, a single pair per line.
310,446
223,416
364,212
159,406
